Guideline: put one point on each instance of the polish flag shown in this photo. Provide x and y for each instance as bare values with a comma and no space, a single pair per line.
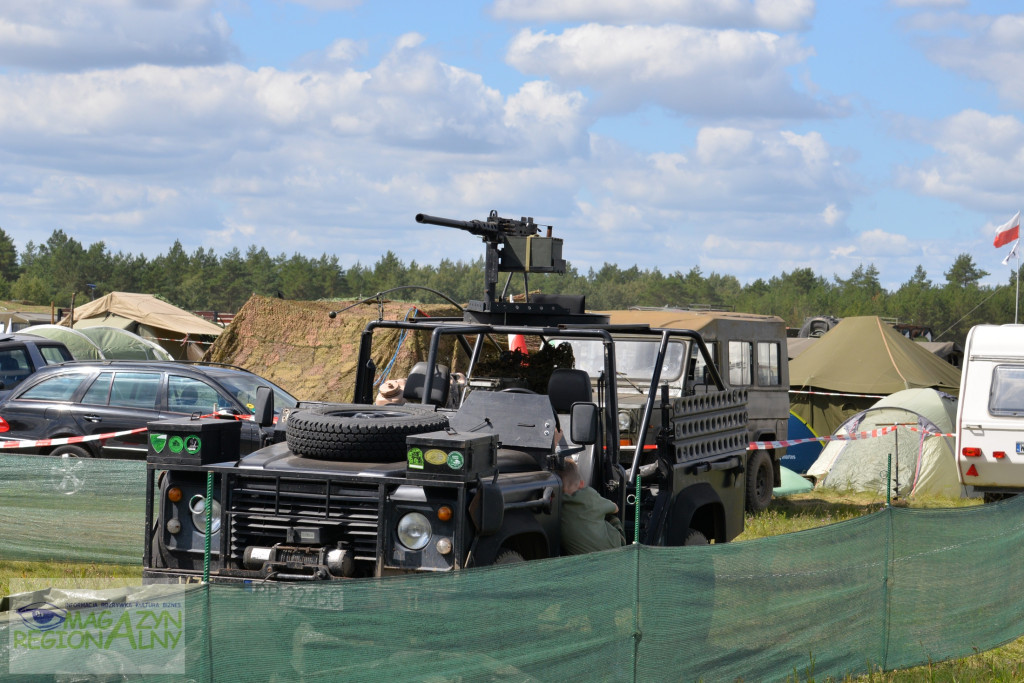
1008,231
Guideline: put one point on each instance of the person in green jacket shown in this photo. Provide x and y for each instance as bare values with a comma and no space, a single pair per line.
589,522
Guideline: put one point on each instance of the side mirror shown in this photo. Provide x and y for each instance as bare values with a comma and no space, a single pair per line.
583,423
487,509
264,416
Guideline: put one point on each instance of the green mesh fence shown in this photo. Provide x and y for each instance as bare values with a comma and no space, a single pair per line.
890,590
71,509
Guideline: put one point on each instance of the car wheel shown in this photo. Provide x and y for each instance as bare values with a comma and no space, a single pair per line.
359,433
760,482
70,451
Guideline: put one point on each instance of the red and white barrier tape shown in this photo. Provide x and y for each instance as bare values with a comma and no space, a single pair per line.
64,441
874,433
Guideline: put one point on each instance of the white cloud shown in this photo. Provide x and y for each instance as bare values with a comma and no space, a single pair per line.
983,47
978,162
783,15
831,215
58,35
687,70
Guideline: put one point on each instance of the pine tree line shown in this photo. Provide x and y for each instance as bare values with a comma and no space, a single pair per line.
50,272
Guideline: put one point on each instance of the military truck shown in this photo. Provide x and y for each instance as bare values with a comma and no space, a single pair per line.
749,351
463,470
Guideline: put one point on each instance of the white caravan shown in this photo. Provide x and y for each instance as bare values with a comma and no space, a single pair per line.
990,415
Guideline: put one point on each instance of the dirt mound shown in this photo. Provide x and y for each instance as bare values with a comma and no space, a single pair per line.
296,345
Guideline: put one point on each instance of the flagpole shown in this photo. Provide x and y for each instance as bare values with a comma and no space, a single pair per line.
1016,296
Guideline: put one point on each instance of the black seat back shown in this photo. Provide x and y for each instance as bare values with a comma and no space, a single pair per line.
567,386
417,379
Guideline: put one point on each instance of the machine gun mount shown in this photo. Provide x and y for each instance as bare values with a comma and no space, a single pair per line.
515,246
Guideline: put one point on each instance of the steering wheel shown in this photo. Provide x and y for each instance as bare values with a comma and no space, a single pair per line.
517,390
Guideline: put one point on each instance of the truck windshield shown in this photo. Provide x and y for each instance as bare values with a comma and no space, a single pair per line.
1007,397
634,358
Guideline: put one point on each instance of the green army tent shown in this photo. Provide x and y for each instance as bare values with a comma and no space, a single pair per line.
80,346
118,343
857,362
181,333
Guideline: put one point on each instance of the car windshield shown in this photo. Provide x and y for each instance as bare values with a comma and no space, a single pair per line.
634,358
242,386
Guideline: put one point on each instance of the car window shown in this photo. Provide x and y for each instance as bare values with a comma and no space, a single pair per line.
242,386
14,366
135,390
55,354
99,392
188,395
59,388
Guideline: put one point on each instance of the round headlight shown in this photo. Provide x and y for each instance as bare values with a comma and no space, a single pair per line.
197,506
414,531
625,421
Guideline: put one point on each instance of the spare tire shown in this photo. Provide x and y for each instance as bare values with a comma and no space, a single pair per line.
359,433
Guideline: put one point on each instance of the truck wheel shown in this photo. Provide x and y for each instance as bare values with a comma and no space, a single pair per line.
694,537
359,433
760,482
508,557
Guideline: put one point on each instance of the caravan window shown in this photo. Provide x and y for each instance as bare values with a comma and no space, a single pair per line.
1007,393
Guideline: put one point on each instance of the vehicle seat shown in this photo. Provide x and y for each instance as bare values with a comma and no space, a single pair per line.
414,383
565,387
188,396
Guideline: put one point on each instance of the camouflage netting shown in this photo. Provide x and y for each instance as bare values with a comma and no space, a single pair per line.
296,345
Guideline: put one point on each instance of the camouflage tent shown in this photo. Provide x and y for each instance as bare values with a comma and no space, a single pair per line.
298,346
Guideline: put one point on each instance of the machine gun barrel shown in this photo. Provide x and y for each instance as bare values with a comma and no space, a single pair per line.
475,227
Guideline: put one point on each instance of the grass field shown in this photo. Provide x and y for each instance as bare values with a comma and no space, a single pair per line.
795,513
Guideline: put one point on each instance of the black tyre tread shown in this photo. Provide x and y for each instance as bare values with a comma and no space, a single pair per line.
759,482
359,433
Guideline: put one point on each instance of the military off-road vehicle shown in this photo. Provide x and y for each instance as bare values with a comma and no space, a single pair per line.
462,470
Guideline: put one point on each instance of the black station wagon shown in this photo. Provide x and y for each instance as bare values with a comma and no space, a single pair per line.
86,398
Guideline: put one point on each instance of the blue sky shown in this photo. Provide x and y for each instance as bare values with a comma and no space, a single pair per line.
741,137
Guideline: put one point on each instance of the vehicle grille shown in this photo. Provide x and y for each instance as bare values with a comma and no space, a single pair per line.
263,509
